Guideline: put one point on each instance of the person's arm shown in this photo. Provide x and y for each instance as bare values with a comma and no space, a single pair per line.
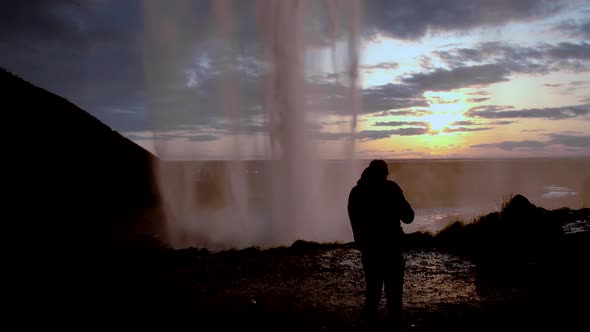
403,207
355,220
407,213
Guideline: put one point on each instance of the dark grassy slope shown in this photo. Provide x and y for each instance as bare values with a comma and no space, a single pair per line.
71,186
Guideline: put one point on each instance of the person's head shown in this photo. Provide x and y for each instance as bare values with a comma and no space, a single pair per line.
379,167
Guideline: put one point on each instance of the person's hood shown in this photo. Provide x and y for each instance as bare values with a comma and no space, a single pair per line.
369,176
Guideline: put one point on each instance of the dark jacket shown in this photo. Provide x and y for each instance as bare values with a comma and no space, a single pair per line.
375,207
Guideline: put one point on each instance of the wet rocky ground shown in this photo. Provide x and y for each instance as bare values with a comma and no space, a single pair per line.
320,287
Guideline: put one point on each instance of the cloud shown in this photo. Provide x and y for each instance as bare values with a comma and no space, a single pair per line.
501,123
477,100
334,97
94,53
512,145
39,23
86,51
479,93
392,96
417,113
491,108
402,123
515,58
571,141
464,129
551,113
575,28
448,79
415,19
551,85
512,57
382,65
532,130
567,50
577,141
464,123
412,131
371,135
472,123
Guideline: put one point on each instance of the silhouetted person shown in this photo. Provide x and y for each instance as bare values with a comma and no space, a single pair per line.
375,207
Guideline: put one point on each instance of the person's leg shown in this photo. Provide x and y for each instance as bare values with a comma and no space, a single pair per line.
394,285
373,283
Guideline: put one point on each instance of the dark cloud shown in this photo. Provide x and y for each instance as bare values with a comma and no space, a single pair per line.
500,123
472,123
571,141
464,129
371,135
479,93
40,23
491,108
511,57
575,29
477,100
512,145
402,123
579,83
413,19
382,65
552,85
86,51
577,141
566,50
392,96
515,58
334,97
552,113
412,131
448,79
417,113
464,123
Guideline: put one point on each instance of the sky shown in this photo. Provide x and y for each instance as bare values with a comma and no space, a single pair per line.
422,78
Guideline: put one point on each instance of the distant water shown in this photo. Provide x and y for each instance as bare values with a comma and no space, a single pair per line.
434,219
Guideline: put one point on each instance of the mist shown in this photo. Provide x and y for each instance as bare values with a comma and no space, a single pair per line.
274,87
298,195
